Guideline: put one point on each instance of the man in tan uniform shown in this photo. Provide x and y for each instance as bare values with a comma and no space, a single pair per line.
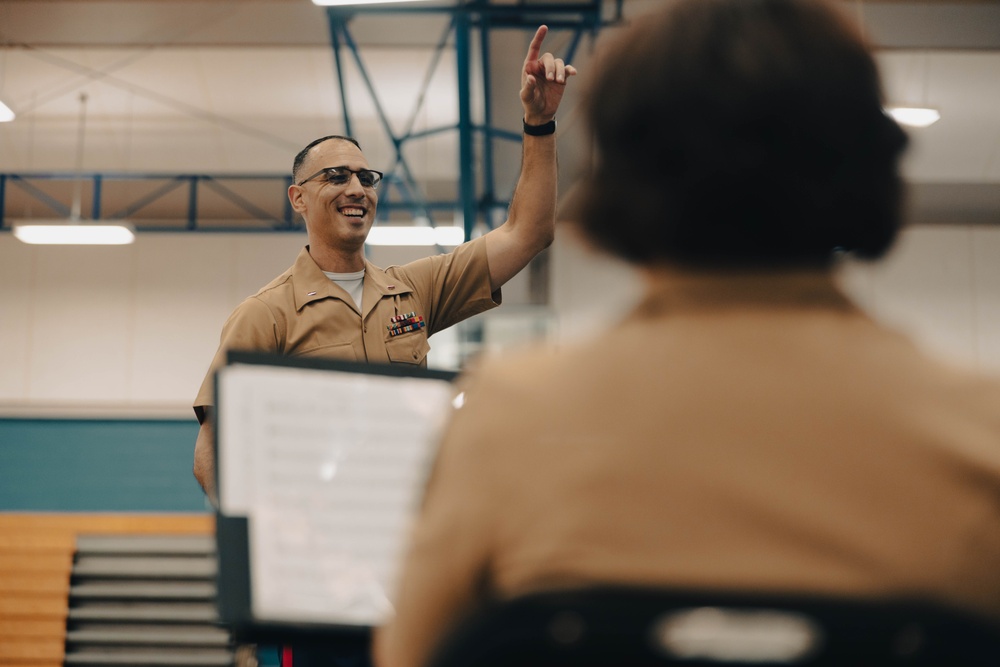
334,303
746,428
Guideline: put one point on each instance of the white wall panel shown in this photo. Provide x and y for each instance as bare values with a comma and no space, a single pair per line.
986,260
259,259
136,326
925,288
83,320
15,316
184,291
858,279
940,285
590,289
219,271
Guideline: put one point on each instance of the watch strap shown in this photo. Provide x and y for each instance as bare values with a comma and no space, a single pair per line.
539,130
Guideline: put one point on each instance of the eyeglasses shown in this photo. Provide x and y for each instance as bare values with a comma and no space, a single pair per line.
369,178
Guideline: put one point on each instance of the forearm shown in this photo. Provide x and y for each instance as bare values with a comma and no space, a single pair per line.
530,225
204,460
533,206
531,221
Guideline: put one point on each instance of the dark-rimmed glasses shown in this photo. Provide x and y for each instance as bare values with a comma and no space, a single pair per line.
369,178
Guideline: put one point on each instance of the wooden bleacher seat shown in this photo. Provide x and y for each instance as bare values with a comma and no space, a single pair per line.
36,560
145,600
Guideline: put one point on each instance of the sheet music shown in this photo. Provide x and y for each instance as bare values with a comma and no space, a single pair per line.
328,467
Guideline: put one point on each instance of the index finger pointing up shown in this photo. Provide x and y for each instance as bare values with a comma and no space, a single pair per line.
535,48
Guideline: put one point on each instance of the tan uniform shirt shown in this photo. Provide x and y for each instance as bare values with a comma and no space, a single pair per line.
303,313
744,432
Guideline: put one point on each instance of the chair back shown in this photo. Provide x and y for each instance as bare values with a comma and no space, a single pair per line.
625,627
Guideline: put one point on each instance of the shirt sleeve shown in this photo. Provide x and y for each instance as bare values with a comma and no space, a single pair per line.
251,328
455,285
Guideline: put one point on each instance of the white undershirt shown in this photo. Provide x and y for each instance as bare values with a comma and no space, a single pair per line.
353,283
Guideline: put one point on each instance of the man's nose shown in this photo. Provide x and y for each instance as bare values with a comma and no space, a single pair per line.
354,185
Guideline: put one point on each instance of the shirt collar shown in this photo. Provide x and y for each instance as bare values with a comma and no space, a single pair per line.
674,289
309,283
383,282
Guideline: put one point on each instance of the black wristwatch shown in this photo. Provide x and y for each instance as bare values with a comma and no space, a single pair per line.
540,130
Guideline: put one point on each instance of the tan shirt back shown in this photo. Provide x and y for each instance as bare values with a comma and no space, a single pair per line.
741,431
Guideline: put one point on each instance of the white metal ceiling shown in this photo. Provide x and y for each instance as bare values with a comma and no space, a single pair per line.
226,86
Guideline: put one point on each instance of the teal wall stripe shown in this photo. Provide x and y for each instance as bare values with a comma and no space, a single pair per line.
98,465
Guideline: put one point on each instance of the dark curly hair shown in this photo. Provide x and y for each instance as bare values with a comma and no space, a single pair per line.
741,131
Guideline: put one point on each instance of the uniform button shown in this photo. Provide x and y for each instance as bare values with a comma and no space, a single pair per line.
415,355
364,329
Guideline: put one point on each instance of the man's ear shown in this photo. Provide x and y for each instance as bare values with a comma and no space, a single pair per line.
295,197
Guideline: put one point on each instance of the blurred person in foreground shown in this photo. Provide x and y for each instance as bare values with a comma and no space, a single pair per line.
746,428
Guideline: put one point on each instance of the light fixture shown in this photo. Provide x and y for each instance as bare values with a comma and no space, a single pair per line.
914,116
75,231
6,114
59,232
416,235
912,107
342,3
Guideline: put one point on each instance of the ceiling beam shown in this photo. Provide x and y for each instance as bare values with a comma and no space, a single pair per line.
930,24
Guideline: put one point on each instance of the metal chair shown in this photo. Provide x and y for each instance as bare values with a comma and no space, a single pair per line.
628,627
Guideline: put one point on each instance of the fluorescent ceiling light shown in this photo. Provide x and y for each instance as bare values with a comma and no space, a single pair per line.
6,115
344,3
68,233
914,116
416,236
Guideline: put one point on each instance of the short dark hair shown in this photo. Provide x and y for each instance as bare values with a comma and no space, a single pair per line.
300,157
741,131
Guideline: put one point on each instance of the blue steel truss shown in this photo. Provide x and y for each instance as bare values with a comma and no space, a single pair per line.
275,214
165,184
478,197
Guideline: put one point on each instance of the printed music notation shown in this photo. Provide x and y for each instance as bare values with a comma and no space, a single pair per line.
328,467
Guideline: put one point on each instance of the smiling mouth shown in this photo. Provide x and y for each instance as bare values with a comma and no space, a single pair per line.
352,211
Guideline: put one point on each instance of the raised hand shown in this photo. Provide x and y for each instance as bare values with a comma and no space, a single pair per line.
543,81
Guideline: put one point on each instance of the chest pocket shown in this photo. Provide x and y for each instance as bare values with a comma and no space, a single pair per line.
411,348
344,351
